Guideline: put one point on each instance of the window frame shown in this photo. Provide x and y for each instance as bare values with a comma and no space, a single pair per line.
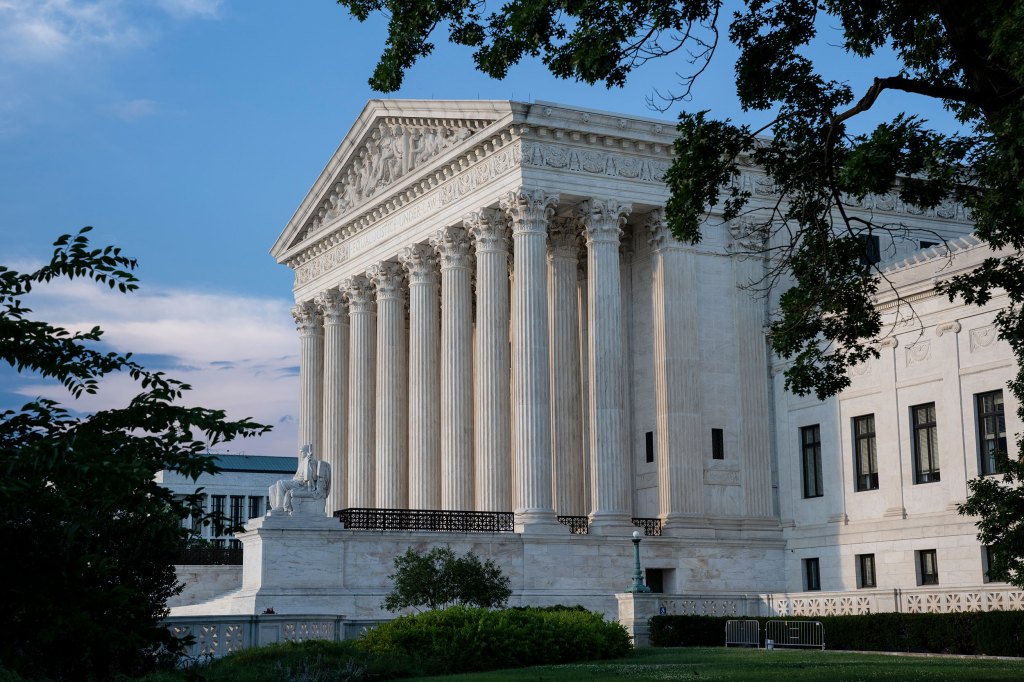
812,477
988,465
718,444
812,574
865,481
930,429
649,447
925,556
864,563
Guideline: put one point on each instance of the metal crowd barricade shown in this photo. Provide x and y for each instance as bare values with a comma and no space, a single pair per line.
795,633
743,633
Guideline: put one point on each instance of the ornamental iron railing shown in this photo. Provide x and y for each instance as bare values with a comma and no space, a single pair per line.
436,520
209,556
578,525
651,527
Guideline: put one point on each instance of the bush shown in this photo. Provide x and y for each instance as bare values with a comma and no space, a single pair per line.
439,578
993,633
462,639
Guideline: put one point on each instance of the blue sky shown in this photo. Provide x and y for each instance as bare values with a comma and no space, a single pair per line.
187,131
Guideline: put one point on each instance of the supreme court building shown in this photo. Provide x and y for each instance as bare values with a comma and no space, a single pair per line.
497,327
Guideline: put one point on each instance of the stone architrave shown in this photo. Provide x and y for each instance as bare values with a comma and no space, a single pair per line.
392,462
563,321
362,390
610,484
309,322
453,249
493,466
420,265
335,405
530,211
676,380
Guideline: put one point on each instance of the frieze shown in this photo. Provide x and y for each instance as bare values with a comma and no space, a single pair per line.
983,337
455,188
593,161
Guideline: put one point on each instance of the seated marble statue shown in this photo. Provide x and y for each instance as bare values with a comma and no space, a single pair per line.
309,487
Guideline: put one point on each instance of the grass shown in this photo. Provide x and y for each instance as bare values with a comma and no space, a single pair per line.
749,664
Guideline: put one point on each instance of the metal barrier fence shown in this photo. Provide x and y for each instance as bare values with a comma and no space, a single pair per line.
743,633
429,519
795,633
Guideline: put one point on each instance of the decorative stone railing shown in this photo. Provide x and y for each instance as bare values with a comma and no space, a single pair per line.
216,636
915,600
427,519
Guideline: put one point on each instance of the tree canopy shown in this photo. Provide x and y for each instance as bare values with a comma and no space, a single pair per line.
969,56
91,536
439,579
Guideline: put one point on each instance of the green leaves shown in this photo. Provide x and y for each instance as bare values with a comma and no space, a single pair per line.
439,578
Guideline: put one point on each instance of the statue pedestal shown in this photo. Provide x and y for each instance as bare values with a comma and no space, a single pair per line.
635,612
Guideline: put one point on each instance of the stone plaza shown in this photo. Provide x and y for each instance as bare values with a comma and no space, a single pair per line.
504,350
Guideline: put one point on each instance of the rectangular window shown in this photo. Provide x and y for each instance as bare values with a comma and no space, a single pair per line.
926,446
649,446
237,506
866,570
991,430
865,455
654,578
812,575
255,507
717,444
986,564
872,252
217,511
810,440
928,567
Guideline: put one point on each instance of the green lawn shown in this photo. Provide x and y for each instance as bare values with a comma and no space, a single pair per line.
746,664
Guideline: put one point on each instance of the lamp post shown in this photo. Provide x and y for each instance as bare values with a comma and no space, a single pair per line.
638,577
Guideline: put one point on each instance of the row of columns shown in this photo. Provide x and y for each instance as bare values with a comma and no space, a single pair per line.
502,414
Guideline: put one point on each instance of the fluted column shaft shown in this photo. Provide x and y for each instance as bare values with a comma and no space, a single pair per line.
530,211
392,463
584,375
493,465
563,320
362,384
309,322
424,378
335,400
676,378
453,249
610,483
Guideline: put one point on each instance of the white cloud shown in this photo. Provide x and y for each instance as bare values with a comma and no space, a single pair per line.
133,110
187,9
238,353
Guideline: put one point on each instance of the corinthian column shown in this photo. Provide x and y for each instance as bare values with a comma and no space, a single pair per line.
362,357
493,438
332,306
392,412
676,379
420,265
309,322
530,211
563,319
610,484
453,250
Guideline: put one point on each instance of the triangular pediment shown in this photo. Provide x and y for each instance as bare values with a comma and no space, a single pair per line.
391,141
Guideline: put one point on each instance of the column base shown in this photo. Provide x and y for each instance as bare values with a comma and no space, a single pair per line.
611,523
686,525
538,522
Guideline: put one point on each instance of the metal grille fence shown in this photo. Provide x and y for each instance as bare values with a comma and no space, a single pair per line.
651,527
427,519
578,525
743,633
796,633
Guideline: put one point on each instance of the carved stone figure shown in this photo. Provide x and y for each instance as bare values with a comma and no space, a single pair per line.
306,492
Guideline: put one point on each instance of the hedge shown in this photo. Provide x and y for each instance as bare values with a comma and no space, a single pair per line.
992,633
463,639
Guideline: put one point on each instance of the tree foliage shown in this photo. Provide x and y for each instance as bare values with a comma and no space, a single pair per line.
91,538
439,578
969,56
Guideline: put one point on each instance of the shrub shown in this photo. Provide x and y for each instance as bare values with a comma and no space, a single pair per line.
463,639
993,633
439,578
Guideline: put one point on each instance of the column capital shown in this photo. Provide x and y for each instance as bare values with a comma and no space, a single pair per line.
308,319
658,234
420,263
359,294
387,278
453,247
564,236
332,306
489,229
529,209
603,219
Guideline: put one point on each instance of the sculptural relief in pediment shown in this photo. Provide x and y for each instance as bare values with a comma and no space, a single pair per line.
395,148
